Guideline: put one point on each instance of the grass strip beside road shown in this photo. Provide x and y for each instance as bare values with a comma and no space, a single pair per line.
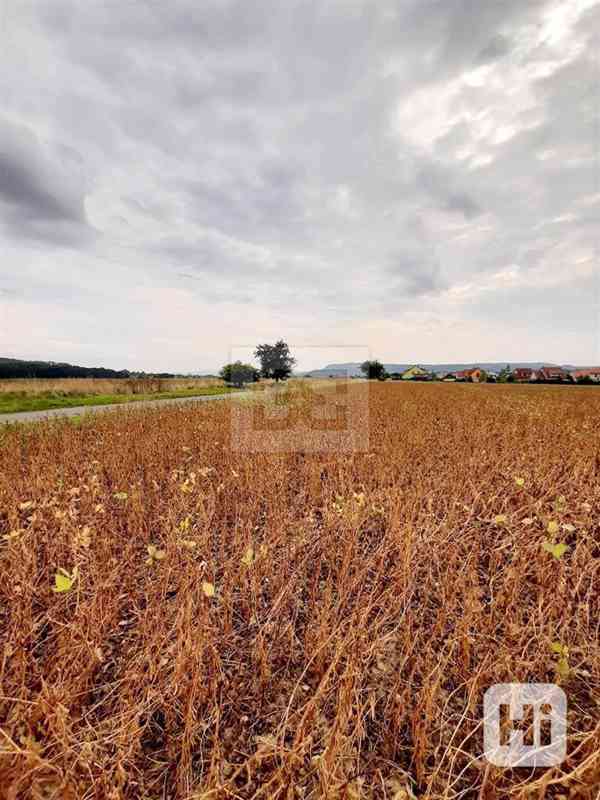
11,403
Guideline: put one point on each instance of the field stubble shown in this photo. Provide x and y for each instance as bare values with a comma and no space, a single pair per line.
298,625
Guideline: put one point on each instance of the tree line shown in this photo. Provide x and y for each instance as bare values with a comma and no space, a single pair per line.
16,368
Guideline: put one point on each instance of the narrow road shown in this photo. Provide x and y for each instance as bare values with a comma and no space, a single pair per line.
34,416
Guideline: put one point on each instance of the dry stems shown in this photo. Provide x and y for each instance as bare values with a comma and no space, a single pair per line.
363,603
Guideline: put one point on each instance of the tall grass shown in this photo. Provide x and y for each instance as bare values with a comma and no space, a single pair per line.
103,386
362,603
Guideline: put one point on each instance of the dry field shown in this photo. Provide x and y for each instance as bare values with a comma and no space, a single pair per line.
298,625
91,386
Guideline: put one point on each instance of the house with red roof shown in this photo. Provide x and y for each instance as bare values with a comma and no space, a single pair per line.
591,373
523,374
473,375
552,374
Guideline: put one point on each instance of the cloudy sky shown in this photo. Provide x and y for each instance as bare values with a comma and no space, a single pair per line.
417,177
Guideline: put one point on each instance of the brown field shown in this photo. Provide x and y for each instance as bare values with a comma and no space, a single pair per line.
362,603
81,386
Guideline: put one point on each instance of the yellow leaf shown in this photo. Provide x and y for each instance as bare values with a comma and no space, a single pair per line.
248,557
520,481
553,527
562,668
63,581
557,550
154,554
189,544
208,589
501,519
184,525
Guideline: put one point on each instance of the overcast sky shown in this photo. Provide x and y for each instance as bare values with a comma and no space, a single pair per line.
417,177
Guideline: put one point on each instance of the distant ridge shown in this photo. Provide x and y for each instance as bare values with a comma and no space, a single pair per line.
353,368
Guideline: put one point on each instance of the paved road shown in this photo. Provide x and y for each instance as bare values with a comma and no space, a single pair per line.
33,416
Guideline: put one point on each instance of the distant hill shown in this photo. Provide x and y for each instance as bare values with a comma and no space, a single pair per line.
18,368
352,369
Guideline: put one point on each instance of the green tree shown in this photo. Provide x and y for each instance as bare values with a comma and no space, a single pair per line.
276,361
373,370
238,374
504,374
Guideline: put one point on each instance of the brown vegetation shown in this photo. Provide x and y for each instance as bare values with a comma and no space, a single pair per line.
91,386
296,625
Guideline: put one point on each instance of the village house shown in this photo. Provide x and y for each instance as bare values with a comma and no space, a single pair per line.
523,374
591,373
473,375
415,373
551,374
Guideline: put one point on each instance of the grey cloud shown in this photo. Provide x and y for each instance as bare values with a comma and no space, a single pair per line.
22,188
415,269
264,202
418,275
443,187
496,48
41,192
439,38
575,312
211,257
198,257
461,202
